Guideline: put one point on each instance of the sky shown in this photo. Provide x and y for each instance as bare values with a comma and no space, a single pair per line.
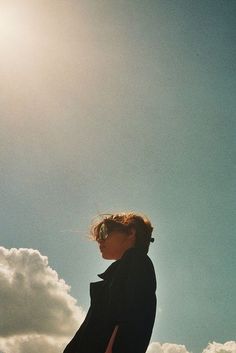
109,106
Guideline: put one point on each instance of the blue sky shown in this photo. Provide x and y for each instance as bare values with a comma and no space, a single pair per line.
125,105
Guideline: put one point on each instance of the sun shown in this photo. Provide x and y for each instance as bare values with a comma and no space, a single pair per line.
14,26
16,35
11,22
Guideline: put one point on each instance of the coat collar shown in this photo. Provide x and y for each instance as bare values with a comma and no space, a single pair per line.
109,271
112,268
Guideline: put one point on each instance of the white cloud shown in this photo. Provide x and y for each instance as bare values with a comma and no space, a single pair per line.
156,347
36,308
227,347
32,344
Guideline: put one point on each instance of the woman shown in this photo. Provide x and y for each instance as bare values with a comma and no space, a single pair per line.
123,304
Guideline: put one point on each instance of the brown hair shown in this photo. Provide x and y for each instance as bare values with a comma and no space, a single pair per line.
125,222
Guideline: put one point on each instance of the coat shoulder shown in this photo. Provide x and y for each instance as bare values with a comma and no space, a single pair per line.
136,264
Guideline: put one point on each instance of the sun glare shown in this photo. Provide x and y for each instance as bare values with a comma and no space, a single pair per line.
11,23
16,35
15,29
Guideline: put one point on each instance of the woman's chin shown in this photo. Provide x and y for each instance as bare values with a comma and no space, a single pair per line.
107,256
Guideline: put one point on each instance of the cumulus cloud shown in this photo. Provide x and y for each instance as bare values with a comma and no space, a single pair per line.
227,347
36,308
156,347
32,344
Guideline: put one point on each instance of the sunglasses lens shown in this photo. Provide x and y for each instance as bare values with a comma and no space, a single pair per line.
103,232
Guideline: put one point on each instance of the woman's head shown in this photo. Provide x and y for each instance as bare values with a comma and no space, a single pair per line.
116,233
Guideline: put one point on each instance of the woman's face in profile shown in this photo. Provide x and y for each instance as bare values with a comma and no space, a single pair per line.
115,245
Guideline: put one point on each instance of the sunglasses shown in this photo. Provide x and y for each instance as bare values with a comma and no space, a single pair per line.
103,232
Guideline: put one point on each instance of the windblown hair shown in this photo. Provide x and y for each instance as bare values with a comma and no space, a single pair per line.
126,222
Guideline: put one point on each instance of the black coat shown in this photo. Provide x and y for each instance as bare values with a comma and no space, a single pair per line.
125,297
